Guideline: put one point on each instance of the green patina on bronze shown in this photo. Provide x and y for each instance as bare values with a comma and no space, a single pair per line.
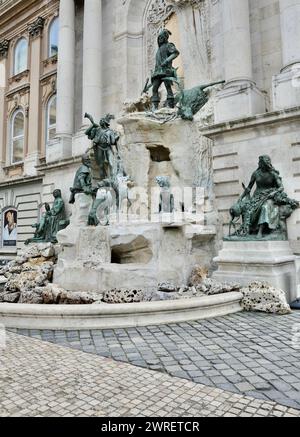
265,213
164,71
53,220
190,102
114,182
83,179
104,140
99,213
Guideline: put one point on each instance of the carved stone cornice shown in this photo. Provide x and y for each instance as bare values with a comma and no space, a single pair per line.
35,29
4,46
19,77
184,3
48,61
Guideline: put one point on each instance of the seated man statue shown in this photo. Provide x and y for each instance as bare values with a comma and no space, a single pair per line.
83,179
52,221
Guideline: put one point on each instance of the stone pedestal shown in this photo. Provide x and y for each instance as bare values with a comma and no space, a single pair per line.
286,85
142,248
132,255
238,100
65,83
58,149
248,261
30,163
286,88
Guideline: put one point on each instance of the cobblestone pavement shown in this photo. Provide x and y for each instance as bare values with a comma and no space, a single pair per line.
43,379
247,353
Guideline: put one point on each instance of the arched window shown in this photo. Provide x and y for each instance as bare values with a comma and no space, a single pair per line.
51,119
53,38
17,137
20,56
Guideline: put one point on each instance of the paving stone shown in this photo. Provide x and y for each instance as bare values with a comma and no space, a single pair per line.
250,348
244,386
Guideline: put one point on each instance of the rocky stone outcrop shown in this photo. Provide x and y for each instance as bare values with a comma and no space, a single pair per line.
261,296
211,287
198,274
141,104
167,287
257,296
10,297
123,296
32,268
54,295
31,296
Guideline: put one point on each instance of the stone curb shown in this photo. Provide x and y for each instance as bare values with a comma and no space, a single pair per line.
74,317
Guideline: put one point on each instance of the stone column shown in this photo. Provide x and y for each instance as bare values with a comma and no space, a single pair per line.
35,31
4,46
92,62
286,85
240,97
65,84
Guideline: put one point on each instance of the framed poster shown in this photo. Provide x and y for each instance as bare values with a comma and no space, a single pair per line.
9,227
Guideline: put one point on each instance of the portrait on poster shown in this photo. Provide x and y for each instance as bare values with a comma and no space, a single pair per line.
9,227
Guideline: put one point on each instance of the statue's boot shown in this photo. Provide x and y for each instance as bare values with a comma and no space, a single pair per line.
170,102
155,103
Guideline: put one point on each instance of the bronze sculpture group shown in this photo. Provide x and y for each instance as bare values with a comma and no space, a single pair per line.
188,102
112,187
260,216
264,214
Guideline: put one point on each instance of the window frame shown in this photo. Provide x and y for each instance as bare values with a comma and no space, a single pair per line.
50,28
48,126
13,138
15,72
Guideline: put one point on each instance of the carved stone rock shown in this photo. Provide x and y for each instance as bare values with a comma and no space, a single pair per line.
123,296
211,287
261,296
198,274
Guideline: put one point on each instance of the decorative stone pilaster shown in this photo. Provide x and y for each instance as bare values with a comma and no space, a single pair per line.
31,160
62,148
240,98
4,46
286,85
35,29
92,62
183,3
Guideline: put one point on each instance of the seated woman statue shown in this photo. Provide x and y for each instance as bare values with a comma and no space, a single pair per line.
264,214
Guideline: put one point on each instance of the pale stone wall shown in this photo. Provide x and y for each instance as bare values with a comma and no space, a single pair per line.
78,65
200,31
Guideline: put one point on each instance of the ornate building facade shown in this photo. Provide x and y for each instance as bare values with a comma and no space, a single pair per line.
59,59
